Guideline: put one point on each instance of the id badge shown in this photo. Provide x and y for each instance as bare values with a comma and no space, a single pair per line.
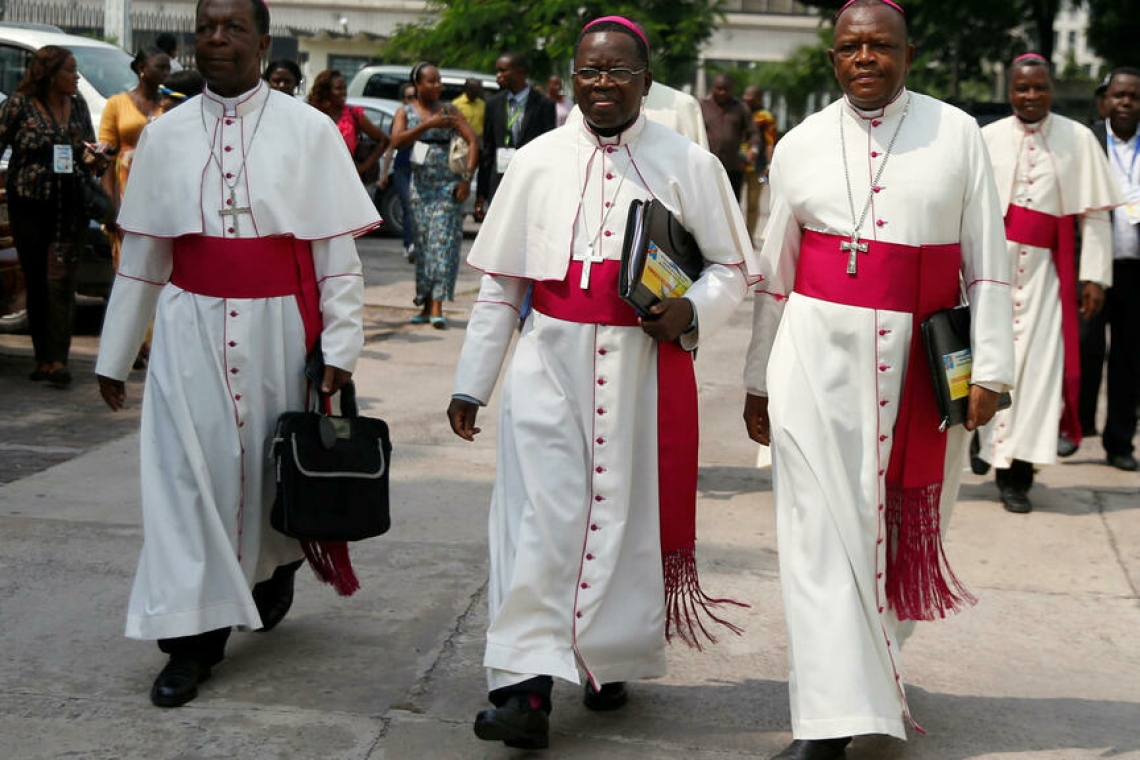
1132,207
503,158
419,153
62,161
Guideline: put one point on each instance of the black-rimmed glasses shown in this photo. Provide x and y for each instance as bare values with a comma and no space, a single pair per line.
588,75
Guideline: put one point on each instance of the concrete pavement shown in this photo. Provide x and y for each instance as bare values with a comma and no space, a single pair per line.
1047,666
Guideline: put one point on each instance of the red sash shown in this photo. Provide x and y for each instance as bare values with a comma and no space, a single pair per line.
920,280
677,441
1057,233
268,267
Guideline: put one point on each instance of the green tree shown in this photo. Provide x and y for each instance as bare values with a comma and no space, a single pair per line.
1114,28
472,33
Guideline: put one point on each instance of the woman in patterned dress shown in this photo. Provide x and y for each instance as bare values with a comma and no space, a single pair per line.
427,125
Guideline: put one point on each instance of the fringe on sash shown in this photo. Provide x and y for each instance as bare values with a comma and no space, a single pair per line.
920,584
332,565
686,601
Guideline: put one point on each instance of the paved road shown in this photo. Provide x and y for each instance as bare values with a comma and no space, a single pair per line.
1046,667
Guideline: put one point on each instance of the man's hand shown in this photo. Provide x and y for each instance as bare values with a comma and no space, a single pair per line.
461,414
334,379
671,317
756,419
983,407
114,392
1092,300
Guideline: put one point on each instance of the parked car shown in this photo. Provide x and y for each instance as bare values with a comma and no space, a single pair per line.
381,112
385,81
104,70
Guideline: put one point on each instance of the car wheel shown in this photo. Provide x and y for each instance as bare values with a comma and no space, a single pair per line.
15,322
392,210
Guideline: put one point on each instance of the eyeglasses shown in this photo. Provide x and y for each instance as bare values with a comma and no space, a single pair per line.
617,76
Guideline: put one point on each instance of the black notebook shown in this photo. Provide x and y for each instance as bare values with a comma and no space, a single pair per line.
946,335
659,258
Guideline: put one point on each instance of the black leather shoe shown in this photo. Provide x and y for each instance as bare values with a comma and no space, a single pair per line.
274,596
1065,447
60,378
978,465
1125,462
178,682
815,749
611,697
518,724
1015,500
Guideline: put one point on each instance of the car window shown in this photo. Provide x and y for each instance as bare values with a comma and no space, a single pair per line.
383,86
13,61
107,69
379,118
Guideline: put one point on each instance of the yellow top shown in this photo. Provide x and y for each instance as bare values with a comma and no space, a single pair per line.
121,126
472,111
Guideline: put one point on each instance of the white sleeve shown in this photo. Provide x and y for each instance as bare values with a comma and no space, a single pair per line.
778,259
340,279
715,297
144,268
1096,248
985,269
494,321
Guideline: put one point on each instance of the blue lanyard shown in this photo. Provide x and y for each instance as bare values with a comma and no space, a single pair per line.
1131,170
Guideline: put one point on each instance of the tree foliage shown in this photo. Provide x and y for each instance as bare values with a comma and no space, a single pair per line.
473,33
1114,28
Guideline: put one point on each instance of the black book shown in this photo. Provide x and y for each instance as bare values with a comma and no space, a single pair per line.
659,258
946,335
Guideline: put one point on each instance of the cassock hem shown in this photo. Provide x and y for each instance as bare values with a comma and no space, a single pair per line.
833,728
558,663
192,622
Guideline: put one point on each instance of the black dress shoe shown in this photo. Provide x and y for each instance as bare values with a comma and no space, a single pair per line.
518,723
178,682
1066,447
274,596
978,465
611,697
60,377
815,749
1015,500
1125,462
38,375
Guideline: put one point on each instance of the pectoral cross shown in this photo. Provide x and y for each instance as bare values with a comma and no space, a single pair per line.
853,248
233,211
588,258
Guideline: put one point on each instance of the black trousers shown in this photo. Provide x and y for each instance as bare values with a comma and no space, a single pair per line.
50,270
1093,346
1123,311
736,179
539,685
1018,476
206,648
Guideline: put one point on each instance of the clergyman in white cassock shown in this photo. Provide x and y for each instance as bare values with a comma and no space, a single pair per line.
835,373
1050,172
216,210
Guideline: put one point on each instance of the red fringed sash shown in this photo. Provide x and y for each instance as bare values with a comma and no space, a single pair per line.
677,443
920,280
1058,234
267,267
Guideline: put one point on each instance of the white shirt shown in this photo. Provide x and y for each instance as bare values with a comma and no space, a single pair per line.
1122,155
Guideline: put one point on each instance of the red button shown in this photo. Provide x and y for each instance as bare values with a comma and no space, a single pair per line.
594,527
601,352
874,154
879,541
881,610
884,367
880,507
609,176
599,469
881,473
578,614
881,222
607,204
237,397
229,175
229,201
876,123
241,424
228,148
233,313
599,497
233,343
878,575
585,585
589,556
609,150
601,381
234,371
229,121
601,410
607,233
599,441
231,230
883,402
882,437
877,188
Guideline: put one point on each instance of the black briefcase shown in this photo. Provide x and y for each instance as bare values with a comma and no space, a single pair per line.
946,335
332,474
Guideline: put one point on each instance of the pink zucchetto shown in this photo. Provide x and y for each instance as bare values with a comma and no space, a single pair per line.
890,3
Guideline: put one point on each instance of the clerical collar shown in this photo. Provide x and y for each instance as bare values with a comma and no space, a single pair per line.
630,133
1038,126
893,108
240,106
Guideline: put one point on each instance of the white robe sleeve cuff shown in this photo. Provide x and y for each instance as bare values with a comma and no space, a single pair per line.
494,319
340,280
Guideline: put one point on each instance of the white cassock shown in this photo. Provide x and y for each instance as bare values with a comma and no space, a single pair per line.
576,575
669,107
834,375
223,369
1054,167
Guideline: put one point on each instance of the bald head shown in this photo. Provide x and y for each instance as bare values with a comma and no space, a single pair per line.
722,88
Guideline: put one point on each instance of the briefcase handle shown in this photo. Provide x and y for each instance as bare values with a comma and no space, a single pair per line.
315,373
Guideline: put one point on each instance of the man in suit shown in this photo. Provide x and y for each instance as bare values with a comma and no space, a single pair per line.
1120,139
515,115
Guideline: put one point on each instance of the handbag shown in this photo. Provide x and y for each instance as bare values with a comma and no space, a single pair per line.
332,472
457,152
364,146
97,204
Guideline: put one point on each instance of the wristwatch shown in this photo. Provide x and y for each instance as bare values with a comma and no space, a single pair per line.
465,176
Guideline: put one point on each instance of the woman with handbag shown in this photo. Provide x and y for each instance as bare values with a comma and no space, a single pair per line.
330,94
429,127
48,127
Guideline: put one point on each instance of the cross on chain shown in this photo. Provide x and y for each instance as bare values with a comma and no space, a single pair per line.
233,211
852,248
588,258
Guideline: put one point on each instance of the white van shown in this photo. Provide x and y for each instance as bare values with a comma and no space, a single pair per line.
385,82
104,70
